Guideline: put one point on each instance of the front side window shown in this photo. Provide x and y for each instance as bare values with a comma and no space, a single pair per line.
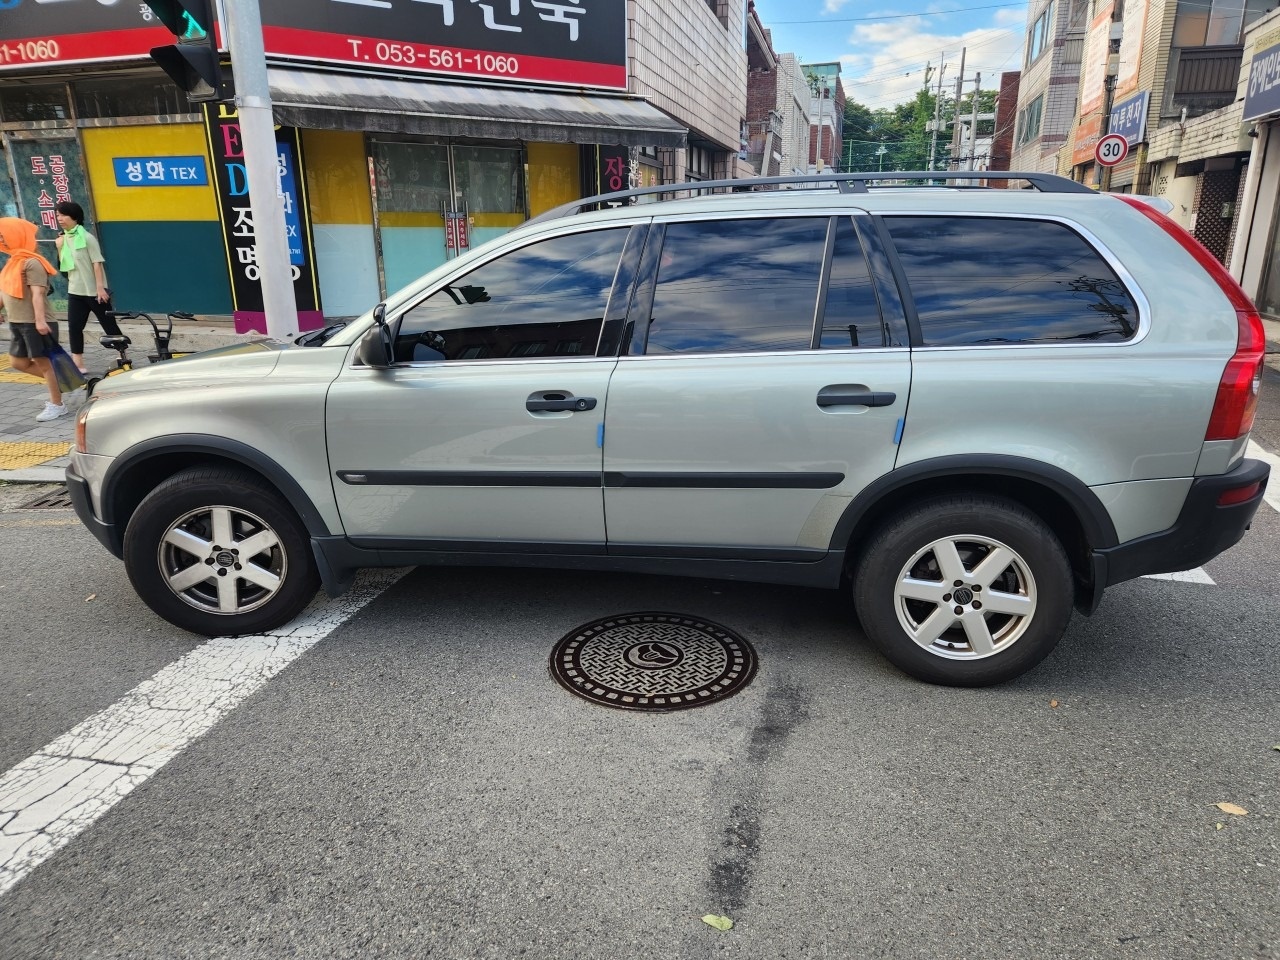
543,301
737,286
985,280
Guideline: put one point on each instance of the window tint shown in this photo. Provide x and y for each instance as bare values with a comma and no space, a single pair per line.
852,314
982,280
732,286
544,300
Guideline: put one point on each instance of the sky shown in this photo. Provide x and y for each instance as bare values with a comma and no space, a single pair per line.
883,48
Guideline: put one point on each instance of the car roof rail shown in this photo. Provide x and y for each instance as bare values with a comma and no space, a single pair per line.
844,182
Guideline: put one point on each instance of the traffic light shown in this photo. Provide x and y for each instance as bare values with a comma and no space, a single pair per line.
192,62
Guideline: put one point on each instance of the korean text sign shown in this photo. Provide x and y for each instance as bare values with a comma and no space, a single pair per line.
236,214
573,42
160,171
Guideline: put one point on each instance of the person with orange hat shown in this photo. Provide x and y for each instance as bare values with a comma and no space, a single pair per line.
24,285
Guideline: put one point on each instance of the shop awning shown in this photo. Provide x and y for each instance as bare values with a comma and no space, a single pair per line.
334,101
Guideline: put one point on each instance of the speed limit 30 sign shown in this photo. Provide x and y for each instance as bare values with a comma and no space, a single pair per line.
1111,149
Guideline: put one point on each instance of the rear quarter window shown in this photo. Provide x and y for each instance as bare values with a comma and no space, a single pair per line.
990,280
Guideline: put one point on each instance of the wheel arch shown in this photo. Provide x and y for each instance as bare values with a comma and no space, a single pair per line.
1073,511
144,466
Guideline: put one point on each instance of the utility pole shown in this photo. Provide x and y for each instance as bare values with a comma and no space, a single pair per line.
954,160
973,124
937,105
258,136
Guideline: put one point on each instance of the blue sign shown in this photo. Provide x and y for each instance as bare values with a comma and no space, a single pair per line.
1129,118
160,171
1263,95
287,169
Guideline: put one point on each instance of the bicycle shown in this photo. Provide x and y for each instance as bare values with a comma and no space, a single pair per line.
123,363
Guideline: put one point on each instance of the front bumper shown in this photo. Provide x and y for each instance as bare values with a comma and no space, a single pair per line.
82,500
1203,529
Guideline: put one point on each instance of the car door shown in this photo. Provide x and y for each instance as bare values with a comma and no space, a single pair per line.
763,385
486,429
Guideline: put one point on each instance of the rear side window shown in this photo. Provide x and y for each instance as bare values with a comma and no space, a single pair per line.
986,280
737,286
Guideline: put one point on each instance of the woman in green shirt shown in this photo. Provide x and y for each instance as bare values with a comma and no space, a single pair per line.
80,258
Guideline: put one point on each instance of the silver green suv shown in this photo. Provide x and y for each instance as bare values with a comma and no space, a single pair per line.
980,407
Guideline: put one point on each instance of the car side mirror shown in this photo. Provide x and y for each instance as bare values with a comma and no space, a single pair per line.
375,348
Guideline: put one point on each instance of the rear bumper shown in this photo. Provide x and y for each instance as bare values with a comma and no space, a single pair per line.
78,489
1203,529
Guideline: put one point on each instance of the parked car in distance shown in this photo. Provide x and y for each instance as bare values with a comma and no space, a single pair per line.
973,408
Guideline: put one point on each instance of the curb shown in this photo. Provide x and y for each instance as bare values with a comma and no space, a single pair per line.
34,475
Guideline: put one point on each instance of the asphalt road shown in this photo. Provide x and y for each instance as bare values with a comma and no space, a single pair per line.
416,785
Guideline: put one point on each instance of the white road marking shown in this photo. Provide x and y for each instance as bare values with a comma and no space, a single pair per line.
1186,576
1272,496
49,798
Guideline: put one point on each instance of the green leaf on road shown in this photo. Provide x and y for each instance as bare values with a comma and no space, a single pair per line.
720,923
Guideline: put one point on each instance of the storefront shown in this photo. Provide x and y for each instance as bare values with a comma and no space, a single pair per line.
1255,259
388,168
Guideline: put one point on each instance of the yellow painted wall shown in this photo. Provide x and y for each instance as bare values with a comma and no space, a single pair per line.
113,203
554,176
337,177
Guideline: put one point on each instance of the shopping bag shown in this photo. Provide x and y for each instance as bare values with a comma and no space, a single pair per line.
65,370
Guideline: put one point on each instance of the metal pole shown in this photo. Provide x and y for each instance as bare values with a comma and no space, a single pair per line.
954,161
973,124
937,105
257,133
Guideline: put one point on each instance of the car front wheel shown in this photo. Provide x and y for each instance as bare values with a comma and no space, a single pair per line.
217,552
964,590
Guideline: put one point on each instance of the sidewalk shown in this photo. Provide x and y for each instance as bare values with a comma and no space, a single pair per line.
32,452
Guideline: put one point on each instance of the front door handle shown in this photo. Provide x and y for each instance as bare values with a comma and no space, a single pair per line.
536,403
844,397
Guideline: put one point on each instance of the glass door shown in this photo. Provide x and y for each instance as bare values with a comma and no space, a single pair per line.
413,190
490,190
420,185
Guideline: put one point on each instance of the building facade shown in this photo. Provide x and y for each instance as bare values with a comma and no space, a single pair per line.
395,154
1048,84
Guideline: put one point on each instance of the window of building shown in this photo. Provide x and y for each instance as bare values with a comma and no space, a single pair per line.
546,300
985,280
737,286
20,102
1029,118
1215,23
1038,40
699,164
136,96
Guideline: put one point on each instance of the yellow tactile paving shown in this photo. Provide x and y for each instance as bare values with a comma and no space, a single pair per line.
29,453
10,375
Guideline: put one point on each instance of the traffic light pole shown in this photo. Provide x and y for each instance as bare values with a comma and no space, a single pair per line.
258,137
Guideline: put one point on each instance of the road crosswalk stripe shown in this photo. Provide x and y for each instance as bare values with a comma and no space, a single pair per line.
49,798
1256,452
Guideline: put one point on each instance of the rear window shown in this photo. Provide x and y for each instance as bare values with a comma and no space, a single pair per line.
987,280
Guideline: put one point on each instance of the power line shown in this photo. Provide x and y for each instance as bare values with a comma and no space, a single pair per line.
898,16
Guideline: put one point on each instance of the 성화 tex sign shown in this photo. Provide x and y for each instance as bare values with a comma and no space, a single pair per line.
1111,149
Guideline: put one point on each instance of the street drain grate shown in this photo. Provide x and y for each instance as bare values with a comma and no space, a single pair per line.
58,499
653,661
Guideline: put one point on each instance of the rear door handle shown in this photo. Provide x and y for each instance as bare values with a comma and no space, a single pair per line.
538,403
842,397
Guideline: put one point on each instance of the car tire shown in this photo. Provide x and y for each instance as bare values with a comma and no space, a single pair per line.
175,536
920,585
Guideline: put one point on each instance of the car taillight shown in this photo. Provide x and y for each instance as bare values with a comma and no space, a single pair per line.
81,444
1239,494
1237,399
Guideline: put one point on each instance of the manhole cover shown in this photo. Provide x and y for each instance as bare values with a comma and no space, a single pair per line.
57,499
653,661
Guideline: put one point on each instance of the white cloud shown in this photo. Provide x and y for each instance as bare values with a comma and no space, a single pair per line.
887,63
834,6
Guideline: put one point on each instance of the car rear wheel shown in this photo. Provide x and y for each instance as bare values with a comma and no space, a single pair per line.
964,590
217,552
